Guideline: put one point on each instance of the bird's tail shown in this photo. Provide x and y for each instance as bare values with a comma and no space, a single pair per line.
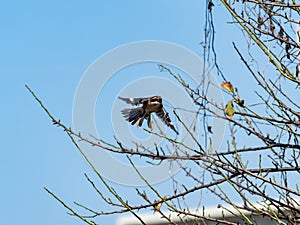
134,116
149,122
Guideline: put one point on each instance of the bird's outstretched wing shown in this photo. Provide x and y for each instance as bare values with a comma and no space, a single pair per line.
134,116
134,101
164,116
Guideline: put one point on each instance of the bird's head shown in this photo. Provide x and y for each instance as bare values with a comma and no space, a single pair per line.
156,99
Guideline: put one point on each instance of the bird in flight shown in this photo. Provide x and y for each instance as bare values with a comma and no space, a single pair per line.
148,106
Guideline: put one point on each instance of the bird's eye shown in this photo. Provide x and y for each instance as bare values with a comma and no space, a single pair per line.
155,100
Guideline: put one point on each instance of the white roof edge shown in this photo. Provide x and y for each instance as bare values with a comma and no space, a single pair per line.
156,218
213,212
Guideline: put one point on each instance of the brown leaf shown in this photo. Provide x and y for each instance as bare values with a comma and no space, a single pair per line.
227,86
240,102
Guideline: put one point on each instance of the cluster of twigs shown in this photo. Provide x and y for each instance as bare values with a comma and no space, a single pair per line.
273,27
266,186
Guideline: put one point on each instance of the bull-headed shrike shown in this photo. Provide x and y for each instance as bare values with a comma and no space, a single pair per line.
148,106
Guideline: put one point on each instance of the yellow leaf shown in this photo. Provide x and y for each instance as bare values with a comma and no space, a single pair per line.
157,207
227,86
158,204
229,110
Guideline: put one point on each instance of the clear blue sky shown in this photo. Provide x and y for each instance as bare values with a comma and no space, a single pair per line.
48,45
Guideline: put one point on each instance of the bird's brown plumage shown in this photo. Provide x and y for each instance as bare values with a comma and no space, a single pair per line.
149,105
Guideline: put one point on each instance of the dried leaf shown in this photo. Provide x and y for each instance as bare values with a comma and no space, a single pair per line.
229,110
280,34
210,5
240,102
209,129
298,72
227,86
260,21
